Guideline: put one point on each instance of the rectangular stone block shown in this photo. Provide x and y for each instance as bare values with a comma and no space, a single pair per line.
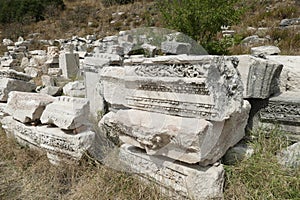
188,181
67,112
207,87
69,64
11,80
190,140
259,76
54,141
27,107
283,111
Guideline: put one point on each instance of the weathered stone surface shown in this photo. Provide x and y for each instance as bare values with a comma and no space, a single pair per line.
53,140
50,90
254,40
175,48
54,71
290,76
74,89
189,140
113,86
289,22
207,87
260,77
290,157
265,50
66,112
69,64
283,111
237,153
27,107
11,80
188,181
47,80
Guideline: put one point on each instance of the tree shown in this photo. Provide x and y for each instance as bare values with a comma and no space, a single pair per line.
199,19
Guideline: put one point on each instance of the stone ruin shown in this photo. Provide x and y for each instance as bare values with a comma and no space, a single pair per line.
172,118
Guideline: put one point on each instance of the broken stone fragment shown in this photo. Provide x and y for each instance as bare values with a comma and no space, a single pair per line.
11,80
259,76
175,48
282,111
58,145
189,140
290,157
67,113
207,87
27,107
74,89
265,50
69,64
188,181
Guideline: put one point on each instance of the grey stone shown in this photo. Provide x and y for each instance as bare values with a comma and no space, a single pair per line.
207,87
282,111
290,157
290,76
254,40
51,90
265,50
69,64
47,80
289,22
32,72
11,80
259,76
67,113
175,48
237,153
7,42
54,71
59,145
74,89
188,181
27,107
189,140
113,86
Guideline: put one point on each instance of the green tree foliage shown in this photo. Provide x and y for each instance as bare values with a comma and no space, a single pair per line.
200,19
24,10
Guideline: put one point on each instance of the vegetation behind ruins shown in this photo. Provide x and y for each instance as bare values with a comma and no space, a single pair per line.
108,17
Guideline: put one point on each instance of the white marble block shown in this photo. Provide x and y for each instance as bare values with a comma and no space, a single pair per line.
67,112
27,107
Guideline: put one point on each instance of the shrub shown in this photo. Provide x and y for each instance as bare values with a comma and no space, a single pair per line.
24,10
199,19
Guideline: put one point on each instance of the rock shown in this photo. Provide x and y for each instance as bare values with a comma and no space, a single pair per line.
51,90
253,40
290,76
265,50
37,61
175,48
149,49
67,113
58,145
259,76
32,72
282,111
289,22
113,59
54,71
290,157
7,42
189,140
11,80
24,63
113,86
237,153
207,87
74,89
188,181
69,64
47,80
27,107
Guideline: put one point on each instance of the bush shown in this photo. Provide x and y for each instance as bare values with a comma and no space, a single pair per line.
26,10
199,19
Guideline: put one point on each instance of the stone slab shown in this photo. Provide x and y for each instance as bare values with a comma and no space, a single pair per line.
260,76
67,112
27,107
190,140
58,144
188,181
207,87
69,64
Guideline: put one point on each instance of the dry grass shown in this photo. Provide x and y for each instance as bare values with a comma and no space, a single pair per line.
27,174
261,176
